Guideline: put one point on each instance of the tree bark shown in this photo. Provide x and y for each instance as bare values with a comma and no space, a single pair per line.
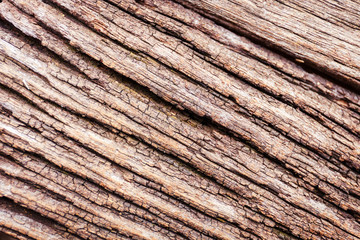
158,119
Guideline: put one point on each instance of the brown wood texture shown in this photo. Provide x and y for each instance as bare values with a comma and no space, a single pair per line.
184,119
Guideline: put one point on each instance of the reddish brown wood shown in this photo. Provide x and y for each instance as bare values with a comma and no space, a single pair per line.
180,119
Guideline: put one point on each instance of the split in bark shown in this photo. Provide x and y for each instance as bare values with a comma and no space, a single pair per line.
148,120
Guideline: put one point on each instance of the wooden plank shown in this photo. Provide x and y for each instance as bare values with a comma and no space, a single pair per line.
157,120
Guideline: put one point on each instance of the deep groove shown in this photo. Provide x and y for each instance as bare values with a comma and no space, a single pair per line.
30,213
164,146
229,132
37,156
195,81
273,48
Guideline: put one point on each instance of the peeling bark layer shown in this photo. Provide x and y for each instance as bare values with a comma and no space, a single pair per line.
183,119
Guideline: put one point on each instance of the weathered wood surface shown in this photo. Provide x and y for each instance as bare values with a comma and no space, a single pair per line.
156,119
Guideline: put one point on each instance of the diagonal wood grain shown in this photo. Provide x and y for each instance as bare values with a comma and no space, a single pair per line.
183,119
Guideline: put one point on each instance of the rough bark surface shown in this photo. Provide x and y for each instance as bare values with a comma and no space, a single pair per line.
185,119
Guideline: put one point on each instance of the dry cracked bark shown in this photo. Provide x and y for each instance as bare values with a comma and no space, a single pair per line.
159,119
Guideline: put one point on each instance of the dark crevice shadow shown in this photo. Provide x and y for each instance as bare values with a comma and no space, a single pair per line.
352,85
